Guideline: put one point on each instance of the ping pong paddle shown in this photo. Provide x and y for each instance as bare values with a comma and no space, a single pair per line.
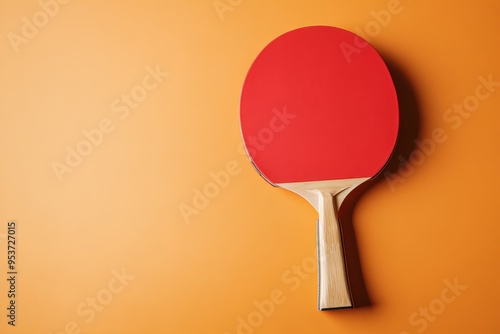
319,119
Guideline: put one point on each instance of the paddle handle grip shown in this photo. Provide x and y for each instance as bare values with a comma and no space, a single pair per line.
333,285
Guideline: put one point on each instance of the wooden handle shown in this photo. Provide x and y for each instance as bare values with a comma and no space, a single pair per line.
333,285
327,197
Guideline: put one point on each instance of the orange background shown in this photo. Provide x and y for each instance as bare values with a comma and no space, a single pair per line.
120,207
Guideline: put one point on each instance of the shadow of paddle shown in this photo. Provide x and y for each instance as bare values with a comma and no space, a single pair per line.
408,133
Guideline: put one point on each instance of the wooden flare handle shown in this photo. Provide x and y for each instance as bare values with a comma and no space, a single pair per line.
333,285
327,197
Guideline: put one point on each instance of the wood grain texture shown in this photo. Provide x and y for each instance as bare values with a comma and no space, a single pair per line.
327,197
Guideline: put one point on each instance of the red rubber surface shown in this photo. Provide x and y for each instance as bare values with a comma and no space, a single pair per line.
308,114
